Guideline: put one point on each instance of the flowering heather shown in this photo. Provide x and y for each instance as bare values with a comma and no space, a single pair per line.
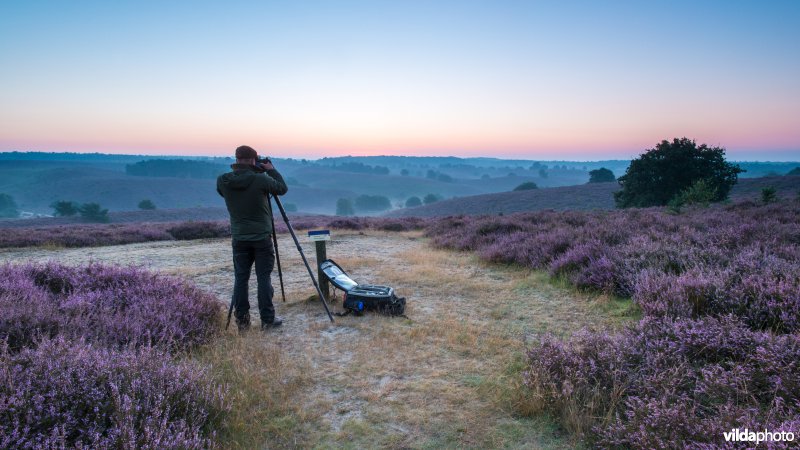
743,259
117,307
82,235
70,394
199,230
85,359
668,383
719,345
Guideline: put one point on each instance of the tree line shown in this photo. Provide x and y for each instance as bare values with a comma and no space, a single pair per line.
176,168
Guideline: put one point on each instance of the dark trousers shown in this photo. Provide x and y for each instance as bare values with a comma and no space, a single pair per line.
245,253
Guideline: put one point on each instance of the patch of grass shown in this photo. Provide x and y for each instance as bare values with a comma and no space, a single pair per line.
264,390
620,310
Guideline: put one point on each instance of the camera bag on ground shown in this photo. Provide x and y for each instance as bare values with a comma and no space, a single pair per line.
359,298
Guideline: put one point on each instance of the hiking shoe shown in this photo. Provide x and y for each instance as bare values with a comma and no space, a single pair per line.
274,324
243,323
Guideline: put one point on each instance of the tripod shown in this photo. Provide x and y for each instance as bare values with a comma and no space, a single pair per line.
278,260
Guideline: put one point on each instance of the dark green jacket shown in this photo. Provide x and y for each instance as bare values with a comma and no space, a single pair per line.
245,192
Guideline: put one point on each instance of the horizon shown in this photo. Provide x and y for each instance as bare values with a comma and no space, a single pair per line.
178,156
571,82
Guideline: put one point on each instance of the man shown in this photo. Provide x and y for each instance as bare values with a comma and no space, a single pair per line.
245,190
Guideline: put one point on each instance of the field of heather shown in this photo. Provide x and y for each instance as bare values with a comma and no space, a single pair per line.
447,376
96,235
630,328
719,343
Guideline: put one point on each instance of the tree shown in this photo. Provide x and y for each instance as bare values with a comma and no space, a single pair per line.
369,203
93,212
413,201
8,207
147,204
430,198
526,186
661,173
542,173
404,172
65,208
601,175
795,171
344,207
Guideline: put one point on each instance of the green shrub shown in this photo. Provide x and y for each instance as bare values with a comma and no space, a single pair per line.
8,207
430,198
527,186
147,204
413,201
93,212
372,203
344,207
769,195
601,175
65,208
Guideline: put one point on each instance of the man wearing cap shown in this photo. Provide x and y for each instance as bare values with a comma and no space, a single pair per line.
245,191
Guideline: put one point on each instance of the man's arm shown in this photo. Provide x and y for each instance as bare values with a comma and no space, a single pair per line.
274,183
219,191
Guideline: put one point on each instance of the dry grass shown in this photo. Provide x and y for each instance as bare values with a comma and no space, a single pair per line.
447,377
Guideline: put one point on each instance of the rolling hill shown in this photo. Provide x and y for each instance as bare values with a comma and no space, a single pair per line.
580,197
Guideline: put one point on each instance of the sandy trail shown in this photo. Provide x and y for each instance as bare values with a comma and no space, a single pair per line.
444,377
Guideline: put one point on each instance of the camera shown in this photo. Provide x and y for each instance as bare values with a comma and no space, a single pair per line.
260,161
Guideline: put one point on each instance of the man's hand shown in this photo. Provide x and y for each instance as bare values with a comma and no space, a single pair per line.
267,166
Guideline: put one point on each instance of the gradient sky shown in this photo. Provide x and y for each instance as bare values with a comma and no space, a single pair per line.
534,80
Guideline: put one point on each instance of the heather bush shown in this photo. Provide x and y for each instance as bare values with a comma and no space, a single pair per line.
81,235
26,312
398,224
115,307
86,359
719,344
667,383
70,394
348,224
199,230
741,259
84,235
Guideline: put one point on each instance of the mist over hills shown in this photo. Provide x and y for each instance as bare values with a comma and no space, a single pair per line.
120,182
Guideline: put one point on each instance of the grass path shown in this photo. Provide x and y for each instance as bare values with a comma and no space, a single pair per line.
449,376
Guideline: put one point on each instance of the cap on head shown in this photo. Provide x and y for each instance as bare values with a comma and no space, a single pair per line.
246,152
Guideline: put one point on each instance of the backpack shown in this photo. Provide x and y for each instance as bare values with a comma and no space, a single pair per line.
359,298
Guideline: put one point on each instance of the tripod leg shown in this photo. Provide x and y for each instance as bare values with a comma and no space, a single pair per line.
230,311
275,244
303,256
233,297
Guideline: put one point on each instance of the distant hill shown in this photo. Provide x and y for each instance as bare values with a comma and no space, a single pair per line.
120,182
582,197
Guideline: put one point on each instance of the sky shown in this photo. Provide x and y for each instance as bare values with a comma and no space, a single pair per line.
569,80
